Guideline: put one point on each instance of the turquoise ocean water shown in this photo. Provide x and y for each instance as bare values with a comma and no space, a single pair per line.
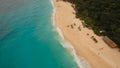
27,38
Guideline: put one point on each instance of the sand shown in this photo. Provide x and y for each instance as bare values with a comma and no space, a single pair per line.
98,55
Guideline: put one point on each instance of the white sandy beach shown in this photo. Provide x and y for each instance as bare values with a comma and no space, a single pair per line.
98,55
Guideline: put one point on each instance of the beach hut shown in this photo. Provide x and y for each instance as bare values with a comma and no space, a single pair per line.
108,41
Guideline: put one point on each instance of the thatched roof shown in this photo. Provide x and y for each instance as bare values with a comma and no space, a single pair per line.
109,42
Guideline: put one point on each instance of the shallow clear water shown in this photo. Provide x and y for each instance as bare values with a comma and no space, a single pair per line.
27,39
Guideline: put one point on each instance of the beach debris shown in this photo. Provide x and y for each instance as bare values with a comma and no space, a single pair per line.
73,5
87,34
94,39
72,26
79,28
73,12
84,24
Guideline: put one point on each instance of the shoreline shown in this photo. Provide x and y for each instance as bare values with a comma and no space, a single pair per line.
81,63
79,47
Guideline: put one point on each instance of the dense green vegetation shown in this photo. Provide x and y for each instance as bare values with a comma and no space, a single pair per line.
100,15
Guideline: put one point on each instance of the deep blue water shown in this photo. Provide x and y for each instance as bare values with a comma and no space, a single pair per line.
27,39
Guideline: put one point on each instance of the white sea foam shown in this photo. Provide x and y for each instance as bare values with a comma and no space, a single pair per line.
79,60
